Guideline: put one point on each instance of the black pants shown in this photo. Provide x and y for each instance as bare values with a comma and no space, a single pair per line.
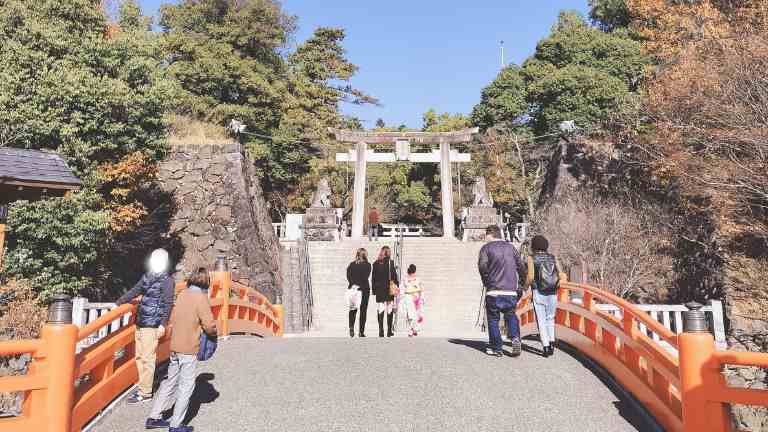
363,311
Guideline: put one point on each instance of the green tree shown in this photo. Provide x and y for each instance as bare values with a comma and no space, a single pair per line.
609,14
317,79
56,243
580,73
225,55
64,86
503,101
74,84
131,19
443,122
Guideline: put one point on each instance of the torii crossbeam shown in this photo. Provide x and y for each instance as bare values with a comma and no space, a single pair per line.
402,140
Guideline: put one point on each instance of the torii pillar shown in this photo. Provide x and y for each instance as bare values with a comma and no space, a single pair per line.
446,188
358,197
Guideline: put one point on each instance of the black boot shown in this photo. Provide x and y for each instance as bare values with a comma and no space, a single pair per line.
352,316
381,324
390,323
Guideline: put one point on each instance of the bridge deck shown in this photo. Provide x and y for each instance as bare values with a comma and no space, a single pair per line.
400,384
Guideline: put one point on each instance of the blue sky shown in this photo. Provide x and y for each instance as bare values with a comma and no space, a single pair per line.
420,54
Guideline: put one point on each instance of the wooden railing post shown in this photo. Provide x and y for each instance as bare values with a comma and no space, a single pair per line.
280,315
223,275
700,376
59,338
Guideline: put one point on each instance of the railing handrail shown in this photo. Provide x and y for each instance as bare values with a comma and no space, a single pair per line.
305,282
636,312
105,320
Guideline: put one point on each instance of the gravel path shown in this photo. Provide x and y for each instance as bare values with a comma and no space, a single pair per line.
400,384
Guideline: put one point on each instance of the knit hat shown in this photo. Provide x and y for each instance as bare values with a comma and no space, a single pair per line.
539,243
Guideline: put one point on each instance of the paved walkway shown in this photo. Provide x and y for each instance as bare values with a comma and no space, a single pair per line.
326,384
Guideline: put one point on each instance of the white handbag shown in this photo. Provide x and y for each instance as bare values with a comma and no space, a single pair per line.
354,296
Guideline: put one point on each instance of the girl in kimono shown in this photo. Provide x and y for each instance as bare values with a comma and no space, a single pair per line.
413,301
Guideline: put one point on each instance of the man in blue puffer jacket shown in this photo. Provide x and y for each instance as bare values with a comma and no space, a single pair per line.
156,289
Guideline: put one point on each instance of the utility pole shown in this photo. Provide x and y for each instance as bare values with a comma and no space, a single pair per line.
502,54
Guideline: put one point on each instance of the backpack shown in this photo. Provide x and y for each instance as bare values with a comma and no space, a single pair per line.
546,275
208,346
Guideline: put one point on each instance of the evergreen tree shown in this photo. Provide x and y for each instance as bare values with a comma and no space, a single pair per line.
580,73
225,54
503,100
65,86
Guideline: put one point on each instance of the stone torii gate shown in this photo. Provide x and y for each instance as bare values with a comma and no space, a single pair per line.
402,140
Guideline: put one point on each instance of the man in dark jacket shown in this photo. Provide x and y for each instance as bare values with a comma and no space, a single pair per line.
499,265
156,289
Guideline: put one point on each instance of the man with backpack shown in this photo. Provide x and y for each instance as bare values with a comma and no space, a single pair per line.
544,279
499,265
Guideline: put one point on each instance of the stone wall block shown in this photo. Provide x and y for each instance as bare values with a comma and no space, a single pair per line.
221,211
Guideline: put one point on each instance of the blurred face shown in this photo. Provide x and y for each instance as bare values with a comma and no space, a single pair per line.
158,261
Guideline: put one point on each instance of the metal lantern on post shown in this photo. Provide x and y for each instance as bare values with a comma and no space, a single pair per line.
694,319
60,310
221,264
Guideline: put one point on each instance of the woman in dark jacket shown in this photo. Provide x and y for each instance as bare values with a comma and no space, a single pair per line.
358,272
383,273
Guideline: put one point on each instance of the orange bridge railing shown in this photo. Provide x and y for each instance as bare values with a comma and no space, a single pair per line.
63,390
679,380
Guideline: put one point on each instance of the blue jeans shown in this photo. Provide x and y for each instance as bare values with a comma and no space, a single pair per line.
494,307
545,306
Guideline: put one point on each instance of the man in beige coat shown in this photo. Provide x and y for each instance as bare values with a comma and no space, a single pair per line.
191,315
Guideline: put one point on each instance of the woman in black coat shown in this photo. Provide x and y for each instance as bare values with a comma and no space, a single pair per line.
383,273
358,272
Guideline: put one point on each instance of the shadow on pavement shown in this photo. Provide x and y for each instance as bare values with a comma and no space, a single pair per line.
531,349
204,393
470,343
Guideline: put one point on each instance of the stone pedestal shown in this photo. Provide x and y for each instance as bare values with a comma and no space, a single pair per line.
320,224
478,219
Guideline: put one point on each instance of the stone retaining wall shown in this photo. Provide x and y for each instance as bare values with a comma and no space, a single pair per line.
221,211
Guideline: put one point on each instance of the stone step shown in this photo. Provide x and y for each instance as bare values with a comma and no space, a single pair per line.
447,268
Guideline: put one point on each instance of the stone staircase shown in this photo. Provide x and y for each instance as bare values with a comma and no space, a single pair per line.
448,269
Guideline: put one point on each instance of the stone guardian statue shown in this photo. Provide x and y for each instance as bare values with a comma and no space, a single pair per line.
482,196
322,197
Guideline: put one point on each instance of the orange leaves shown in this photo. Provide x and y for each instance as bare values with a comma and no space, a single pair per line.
667,26
123,183
709,104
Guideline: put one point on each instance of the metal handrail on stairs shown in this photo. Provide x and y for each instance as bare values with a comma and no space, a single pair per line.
305,282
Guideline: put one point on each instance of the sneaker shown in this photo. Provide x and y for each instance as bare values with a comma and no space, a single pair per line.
492,352
182,428
137,398
516,348
157,424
